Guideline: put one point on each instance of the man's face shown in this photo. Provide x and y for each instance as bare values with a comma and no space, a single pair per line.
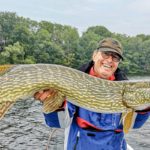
105,63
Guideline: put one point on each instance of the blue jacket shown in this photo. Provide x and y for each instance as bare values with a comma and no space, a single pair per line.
86,130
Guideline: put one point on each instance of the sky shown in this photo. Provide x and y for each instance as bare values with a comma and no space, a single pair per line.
130,17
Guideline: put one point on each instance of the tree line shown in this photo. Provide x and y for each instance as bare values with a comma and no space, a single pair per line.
26,41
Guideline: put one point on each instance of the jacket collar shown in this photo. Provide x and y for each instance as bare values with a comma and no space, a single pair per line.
93,74
119,74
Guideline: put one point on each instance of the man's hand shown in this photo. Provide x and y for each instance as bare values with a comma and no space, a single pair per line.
45,94
146,110
52,100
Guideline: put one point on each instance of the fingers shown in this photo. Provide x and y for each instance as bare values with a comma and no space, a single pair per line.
43,95
37,95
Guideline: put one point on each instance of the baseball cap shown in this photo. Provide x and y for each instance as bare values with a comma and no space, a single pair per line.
112,45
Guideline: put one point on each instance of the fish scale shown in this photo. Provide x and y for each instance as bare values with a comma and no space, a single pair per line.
81,89
77,86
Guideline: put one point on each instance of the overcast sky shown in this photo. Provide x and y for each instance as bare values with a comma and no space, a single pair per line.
129,17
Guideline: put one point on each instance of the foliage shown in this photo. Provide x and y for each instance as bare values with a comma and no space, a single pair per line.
27,41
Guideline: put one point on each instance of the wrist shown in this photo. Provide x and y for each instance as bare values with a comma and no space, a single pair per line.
144,111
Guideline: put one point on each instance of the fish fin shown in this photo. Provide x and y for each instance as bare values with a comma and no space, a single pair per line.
53,103
4,107
128,120
5,68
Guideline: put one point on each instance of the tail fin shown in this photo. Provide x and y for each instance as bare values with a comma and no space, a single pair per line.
4,107
5,68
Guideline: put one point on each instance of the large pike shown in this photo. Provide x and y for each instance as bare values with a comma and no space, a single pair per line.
98,95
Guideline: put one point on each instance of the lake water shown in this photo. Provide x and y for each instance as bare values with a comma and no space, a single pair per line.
23,128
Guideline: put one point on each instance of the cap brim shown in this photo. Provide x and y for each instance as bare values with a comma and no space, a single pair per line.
110,50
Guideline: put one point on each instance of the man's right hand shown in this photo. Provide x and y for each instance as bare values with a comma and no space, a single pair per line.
45,94
52,99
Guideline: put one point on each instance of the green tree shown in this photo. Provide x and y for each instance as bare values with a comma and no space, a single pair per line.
12,54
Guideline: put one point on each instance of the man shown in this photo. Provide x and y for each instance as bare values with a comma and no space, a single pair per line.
86,130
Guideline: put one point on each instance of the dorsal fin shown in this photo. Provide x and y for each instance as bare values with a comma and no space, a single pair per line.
5,68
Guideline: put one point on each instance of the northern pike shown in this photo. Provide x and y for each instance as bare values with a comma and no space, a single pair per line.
95,94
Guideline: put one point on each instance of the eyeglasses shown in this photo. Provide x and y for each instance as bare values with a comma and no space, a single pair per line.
107,54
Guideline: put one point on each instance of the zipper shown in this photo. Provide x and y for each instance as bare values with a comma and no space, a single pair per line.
77,139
